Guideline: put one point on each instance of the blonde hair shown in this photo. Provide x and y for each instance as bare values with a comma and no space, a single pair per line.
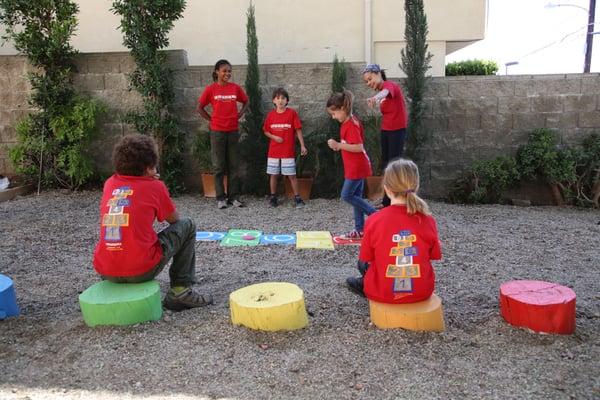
401,177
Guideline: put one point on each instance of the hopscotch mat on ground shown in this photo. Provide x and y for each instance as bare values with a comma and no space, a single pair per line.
209,236
241,237
344,241
314,240
287,238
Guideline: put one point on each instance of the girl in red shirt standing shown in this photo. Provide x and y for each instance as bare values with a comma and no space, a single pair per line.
356,162
393,123
399,243
223,96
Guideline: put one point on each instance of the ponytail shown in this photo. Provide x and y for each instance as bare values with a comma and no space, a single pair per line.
401,177
382,72
341,100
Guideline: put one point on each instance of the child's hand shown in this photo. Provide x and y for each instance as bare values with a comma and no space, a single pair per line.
333,144
156,176
303,151
372,101
278,139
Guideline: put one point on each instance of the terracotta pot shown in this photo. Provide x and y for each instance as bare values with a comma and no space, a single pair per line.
208,184
374,188
304,187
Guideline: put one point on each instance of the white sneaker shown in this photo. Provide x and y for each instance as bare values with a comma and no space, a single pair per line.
4,183
221,204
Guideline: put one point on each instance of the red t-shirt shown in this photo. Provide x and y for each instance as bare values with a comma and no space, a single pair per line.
393,108
399,247
283,125
128,244
223,99
356,165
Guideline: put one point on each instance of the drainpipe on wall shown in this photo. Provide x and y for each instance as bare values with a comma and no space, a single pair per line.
368,33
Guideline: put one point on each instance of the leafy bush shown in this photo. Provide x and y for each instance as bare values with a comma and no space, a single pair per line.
485,181
201,151
373,142
573,173
146,25
472,67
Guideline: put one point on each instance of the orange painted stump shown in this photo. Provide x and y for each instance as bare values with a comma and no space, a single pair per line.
540,306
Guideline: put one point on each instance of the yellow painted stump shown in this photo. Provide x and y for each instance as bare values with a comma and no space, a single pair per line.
269,306
422,316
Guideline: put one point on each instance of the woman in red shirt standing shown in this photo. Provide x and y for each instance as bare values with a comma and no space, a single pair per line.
393,123
399,243
223,96
356,162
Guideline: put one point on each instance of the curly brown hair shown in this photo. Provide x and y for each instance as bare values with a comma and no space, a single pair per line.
133,154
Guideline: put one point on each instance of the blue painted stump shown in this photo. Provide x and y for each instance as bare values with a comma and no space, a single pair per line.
8,299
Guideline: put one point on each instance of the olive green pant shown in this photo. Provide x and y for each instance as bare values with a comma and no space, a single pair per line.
177,242
225,161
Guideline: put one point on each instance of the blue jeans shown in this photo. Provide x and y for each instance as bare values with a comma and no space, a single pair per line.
352,193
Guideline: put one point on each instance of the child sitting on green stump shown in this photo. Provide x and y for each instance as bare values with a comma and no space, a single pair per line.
129,250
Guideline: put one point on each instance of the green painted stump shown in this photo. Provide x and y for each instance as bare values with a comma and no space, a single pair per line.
107,303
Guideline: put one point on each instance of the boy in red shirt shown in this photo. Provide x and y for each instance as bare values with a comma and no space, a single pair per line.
399,242
279,126
129,250
223,96
357,165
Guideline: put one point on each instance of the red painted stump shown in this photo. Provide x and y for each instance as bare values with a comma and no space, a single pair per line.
540,306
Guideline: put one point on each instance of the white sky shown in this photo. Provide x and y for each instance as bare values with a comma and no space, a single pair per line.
543,40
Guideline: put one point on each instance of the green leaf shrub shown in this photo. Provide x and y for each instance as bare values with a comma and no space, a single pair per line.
485,181
53,140
472,67
574,172
145,25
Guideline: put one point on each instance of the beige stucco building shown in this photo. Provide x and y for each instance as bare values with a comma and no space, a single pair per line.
296,31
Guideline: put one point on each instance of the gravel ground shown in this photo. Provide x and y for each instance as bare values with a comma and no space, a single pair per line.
48,352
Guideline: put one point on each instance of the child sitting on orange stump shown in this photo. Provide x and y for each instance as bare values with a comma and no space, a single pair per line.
399,242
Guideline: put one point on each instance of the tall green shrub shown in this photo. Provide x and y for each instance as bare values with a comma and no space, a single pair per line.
329,171
52,141
254,144
415,62
146,25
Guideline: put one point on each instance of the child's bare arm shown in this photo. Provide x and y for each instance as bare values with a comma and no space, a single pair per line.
353,148
243,110
174,217
203,113
273,137
303,150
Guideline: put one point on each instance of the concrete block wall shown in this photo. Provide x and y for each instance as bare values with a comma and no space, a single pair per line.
469,118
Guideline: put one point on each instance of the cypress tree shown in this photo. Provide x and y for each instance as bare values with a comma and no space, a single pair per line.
415,63
254,144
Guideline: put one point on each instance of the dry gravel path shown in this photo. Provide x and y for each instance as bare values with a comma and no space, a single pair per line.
48,352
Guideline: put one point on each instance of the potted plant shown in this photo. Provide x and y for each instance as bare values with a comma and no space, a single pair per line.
201,150
305,169
373,187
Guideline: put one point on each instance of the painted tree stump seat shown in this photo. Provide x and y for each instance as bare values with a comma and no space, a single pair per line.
107,303
269,306
540,306
425,315
8,298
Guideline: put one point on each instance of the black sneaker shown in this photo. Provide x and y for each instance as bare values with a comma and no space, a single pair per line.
299,202
355,285
273,201
189,298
